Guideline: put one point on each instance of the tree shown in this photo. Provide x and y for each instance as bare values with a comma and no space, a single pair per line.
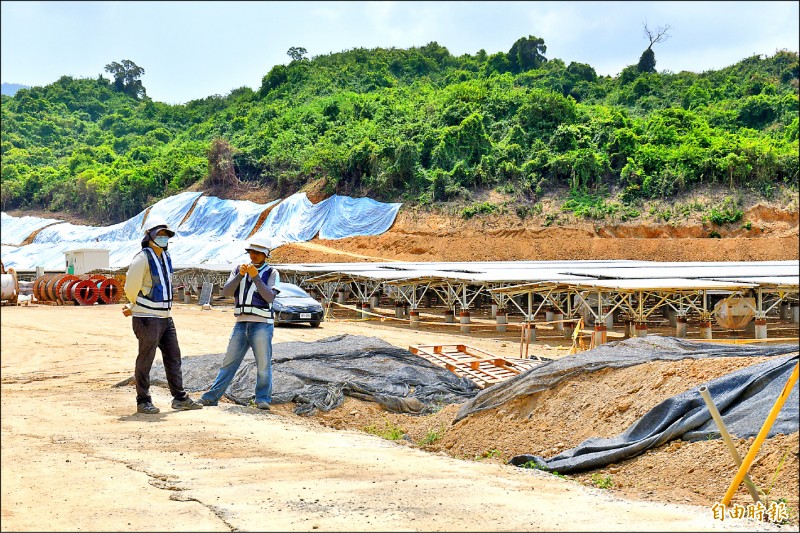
126,77
221,171
297,53
527,54
647,62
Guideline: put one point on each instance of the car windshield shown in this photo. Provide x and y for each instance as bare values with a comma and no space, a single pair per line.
287,289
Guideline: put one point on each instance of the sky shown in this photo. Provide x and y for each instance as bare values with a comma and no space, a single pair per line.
194,49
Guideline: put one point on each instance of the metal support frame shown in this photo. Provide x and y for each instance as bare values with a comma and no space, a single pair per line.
409,292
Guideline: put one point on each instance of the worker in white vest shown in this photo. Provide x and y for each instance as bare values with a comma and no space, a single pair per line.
148,286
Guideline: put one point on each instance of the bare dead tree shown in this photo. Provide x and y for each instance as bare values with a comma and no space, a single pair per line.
658,36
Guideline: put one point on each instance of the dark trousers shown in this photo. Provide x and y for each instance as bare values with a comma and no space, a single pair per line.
152,333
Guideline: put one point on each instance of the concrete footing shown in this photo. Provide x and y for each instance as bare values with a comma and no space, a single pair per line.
557,317
705,329
463,318
502,320
413,319
672,316
600,335
761,328
640,329
680,327
449,316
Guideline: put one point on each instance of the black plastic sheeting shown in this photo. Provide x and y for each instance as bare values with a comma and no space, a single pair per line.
619,354
744,399
319,374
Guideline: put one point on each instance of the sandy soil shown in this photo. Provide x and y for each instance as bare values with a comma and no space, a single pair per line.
76,456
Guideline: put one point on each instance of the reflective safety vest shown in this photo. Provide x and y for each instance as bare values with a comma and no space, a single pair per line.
160,295
247,299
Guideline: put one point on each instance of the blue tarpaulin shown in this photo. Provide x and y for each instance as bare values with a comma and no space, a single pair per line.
351,217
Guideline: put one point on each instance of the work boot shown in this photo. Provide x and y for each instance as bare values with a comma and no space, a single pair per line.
187,404
207,403
264,406
147,408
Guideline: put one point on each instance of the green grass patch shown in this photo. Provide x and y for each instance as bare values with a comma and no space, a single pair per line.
389,431
488,454
432,436
484,208
596,206
532,465
728,212
602,482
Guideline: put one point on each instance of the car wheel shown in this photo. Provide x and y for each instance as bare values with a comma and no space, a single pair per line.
314,324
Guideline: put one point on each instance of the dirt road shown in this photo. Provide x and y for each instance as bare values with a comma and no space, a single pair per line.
76,456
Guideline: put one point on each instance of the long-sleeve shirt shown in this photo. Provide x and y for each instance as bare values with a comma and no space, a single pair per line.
265,290
138,280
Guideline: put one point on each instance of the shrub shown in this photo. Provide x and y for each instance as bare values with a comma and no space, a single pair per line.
484,208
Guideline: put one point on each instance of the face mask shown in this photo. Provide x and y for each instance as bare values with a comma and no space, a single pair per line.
161,241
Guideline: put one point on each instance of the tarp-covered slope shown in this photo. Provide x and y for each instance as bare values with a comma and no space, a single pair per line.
214,233
744,398
318,375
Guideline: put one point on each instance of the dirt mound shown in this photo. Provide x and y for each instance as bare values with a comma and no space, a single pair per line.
555,420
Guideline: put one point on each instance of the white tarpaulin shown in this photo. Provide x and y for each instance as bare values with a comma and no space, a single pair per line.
295,219
232,218
215,231
351,217
17,229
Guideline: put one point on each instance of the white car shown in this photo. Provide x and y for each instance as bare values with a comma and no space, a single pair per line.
293,305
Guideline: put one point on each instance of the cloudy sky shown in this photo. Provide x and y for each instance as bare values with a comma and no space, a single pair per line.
192,50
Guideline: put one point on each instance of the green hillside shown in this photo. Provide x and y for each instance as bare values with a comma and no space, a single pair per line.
417,125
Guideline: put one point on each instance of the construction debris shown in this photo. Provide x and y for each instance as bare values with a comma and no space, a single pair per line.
480,367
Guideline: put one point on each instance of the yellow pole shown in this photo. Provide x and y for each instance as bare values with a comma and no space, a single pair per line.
726,437
751,455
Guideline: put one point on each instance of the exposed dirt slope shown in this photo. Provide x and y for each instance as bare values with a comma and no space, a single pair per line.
428,236
600,404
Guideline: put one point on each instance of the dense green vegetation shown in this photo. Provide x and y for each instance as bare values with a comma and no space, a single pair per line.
416,125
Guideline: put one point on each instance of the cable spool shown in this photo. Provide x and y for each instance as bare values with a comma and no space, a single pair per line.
84,292
734,313
57,286
39,285
50,288
9,286
36,282
108,290
65,291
